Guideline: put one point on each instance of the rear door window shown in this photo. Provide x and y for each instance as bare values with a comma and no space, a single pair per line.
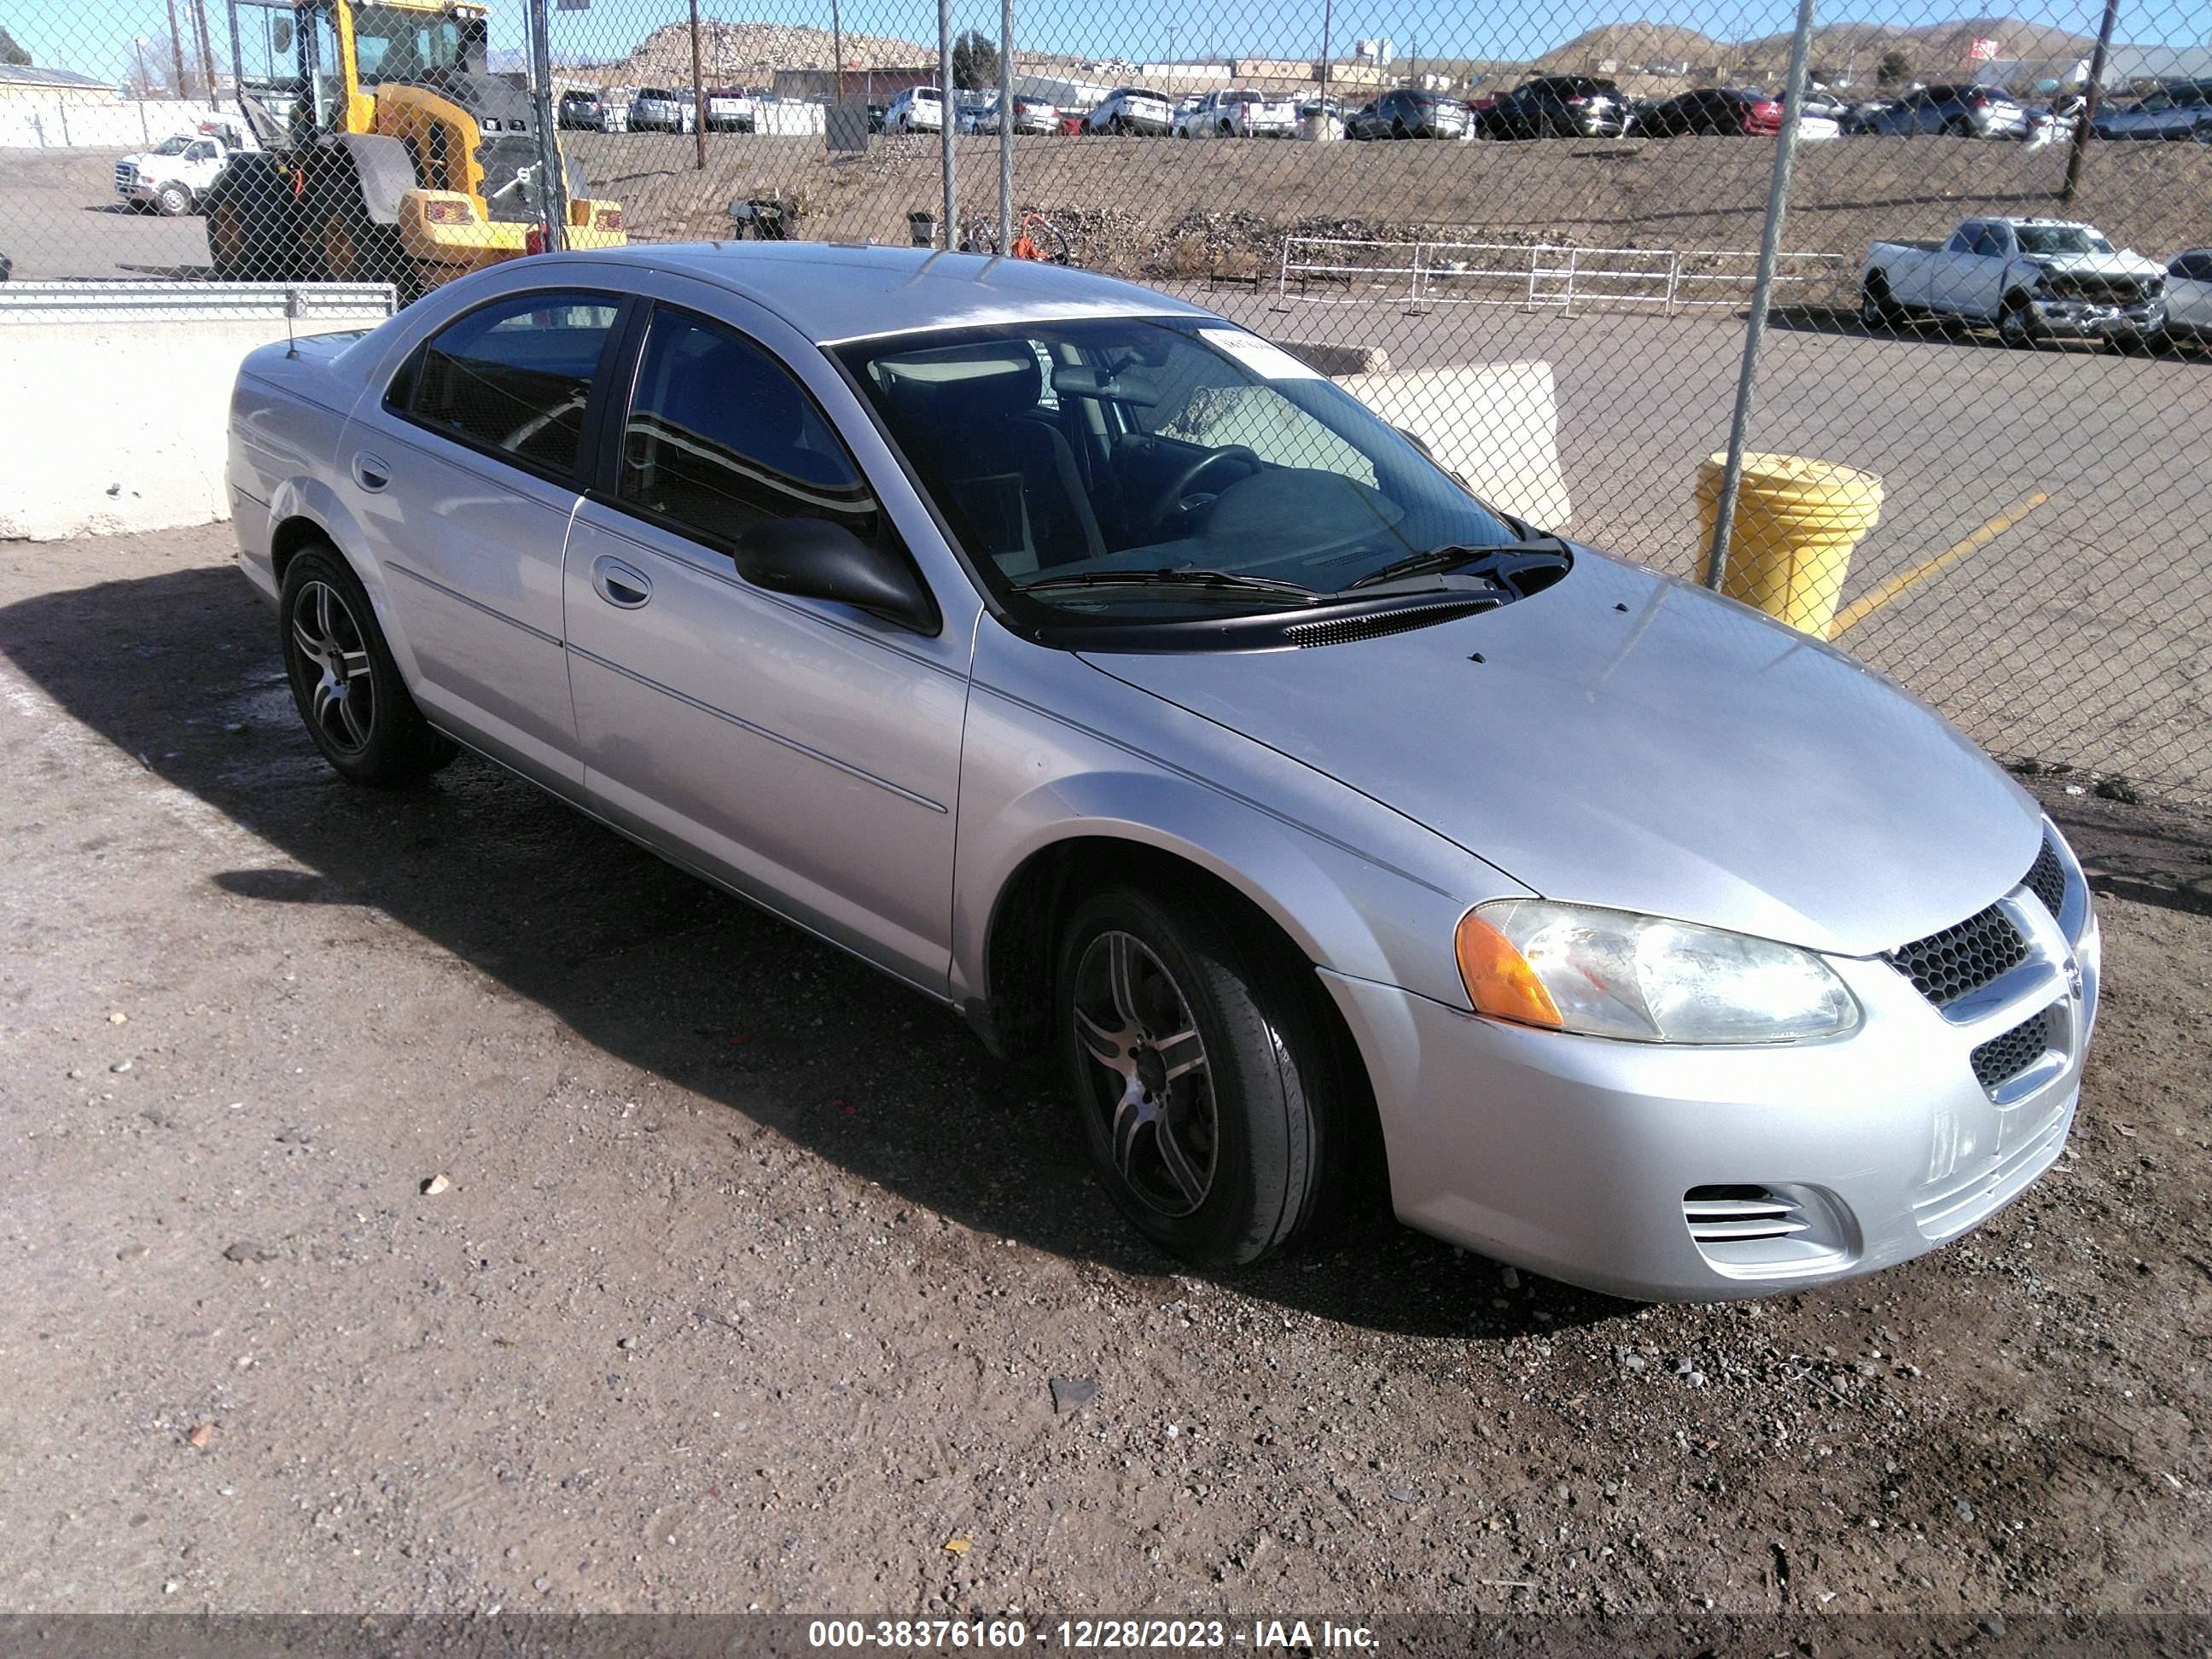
513,377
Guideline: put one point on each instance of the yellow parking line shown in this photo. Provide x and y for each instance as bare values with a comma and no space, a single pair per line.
1860,608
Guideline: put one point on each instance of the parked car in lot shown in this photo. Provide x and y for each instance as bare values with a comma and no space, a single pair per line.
2036,279
2189,296
174,177
1729,111
917,109
1102,672
1132,110
1555,106
1407,112
1961,112
968,112
1035,115
581,110
2180,111
662,109
730,109
1239,112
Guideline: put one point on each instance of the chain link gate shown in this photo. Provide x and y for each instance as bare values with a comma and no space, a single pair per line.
1531,233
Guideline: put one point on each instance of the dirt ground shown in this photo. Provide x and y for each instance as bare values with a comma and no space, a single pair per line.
747,1273
1161,208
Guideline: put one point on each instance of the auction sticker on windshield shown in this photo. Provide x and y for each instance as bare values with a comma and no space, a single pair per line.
1270,362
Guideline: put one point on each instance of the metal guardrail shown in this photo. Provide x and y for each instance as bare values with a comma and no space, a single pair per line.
1544,275
137,302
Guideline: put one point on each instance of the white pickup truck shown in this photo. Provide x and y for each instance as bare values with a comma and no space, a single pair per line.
1239,112
2034,278
173,177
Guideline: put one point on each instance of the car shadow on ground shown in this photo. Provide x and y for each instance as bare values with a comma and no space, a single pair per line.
181,671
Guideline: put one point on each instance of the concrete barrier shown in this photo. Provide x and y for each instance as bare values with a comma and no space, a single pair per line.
115,396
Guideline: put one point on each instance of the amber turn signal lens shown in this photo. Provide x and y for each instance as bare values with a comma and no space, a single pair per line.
1499,981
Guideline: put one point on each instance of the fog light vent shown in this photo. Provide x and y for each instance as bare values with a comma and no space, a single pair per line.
1769,1231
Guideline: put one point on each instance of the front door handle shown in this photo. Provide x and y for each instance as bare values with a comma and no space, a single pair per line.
371,472
619,584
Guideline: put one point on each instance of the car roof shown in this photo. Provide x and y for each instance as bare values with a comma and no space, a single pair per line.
832,291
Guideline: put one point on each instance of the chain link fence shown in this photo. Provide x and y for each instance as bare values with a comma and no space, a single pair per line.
1532,234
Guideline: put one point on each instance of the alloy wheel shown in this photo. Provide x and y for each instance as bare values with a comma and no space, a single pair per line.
328,637
1151,1086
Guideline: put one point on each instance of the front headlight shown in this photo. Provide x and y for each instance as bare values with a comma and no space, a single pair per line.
1615,974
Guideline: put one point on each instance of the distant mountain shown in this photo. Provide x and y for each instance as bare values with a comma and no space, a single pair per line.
736,53
1934,50
1633,45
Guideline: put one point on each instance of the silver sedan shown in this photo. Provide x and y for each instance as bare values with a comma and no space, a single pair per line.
1105,674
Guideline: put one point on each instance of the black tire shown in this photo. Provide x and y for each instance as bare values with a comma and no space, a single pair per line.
1257,1107
351,698
172,201
250,224
2017,325
1878,312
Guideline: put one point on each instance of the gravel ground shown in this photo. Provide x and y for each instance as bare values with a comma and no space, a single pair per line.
428,1202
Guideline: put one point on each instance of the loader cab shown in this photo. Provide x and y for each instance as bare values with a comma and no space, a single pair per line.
317,67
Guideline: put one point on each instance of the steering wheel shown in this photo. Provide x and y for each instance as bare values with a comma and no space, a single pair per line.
1170,494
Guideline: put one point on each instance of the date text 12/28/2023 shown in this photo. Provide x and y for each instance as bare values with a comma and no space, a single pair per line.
1090,1635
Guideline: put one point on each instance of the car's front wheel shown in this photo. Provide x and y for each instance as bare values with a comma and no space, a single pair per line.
172,201
348,690
1200,1072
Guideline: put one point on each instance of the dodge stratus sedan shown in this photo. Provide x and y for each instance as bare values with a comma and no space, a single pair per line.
1099,670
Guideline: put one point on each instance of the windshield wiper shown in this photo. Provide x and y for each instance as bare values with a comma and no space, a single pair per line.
1453,557
1182,576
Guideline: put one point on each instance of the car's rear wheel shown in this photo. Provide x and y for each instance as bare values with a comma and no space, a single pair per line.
2016,324
347,687
1876,309
1200,1072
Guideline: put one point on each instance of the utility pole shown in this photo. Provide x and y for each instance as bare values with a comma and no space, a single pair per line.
207,47
1327,19
836,52
176,51
698,92
2075,156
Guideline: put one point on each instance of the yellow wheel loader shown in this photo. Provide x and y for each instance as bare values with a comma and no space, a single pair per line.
392,153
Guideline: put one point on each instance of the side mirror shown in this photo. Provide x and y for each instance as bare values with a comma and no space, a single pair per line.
816,559
279,34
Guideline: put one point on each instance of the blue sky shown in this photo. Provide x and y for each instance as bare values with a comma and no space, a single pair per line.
96,38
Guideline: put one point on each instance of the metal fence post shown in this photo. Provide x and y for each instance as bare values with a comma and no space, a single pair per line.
552,194
945,120
1673,280
1754,333
698,93
2093,96
1005,126
1574,258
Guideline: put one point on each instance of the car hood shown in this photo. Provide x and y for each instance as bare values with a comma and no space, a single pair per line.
2123,264
1628,740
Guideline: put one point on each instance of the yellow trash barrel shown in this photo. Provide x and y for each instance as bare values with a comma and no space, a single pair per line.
1796,523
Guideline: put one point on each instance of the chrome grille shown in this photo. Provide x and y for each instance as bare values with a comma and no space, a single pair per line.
1723,1215
126,175
2046,879
1962,958
1342,631
2004,1058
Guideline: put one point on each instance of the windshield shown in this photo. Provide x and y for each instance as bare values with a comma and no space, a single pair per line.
2061,239
391,45
1098,468
171,146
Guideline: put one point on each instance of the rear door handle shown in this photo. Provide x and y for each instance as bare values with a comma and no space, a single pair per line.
371,472
619,584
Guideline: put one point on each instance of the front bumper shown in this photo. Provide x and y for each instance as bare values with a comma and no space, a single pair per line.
1584,1158
2087,319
